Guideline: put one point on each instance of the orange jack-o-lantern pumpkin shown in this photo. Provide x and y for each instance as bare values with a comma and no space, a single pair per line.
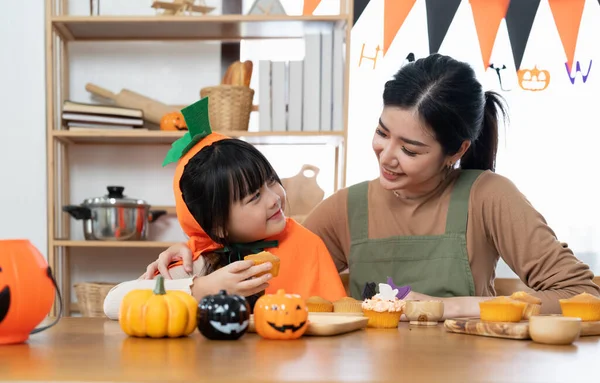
26,290
534,80
173,121
280,316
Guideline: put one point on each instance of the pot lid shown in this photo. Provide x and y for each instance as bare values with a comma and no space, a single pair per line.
114,197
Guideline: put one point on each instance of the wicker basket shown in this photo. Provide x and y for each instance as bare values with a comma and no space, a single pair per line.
229,107
90,297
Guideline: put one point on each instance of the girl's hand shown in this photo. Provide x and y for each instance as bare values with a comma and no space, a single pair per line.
236,278
177,252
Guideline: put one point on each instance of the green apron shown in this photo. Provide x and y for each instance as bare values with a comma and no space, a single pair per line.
436,265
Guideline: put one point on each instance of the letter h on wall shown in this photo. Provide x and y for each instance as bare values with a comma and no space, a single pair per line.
374,58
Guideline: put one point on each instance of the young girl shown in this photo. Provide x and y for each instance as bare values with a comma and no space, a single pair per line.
230,202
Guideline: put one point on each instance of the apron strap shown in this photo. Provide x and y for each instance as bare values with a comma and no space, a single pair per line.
358,211
456,221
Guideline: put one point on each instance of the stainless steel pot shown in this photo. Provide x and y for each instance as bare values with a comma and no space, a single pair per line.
114,217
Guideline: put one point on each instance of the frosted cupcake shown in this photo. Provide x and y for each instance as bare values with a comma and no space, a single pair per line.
384,309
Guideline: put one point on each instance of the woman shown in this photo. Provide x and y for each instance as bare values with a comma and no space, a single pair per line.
438,218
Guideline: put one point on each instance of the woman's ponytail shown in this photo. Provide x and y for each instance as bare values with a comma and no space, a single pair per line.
482,153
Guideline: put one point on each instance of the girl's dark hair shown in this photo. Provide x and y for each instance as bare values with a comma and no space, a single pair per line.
219,175
451,101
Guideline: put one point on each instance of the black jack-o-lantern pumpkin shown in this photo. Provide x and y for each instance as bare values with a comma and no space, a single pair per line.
534,80
223,316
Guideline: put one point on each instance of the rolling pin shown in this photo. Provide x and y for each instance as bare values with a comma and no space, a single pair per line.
153,110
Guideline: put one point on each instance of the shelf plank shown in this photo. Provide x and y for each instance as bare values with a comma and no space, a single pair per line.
122,244
157,137
218,27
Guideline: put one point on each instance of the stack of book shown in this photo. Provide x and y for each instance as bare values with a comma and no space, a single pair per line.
81,116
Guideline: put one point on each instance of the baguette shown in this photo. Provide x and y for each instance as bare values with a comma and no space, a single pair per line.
238,73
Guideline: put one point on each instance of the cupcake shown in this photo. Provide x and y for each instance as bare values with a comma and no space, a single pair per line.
584,306
347,305
319,305
501,309
262,257
533,304
384,309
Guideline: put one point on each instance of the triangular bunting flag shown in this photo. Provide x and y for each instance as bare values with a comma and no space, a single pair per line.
439,17
487,15
519,20
359,7
394,14
567,17
310,6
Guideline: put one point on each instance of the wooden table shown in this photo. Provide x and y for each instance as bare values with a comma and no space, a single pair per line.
90,349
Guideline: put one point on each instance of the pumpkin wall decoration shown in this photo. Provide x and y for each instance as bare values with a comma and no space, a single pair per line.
223,317
158,313
280,316
173,121
27,291
533,80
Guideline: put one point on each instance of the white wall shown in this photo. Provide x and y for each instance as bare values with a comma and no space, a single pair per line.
22,126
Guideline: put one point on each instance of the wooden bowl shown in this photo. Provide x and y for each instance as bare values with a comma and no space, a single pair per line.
424,313
554,329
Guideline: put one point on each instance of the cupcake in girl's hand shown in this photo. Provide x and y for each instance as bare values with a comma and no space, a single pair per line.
384,309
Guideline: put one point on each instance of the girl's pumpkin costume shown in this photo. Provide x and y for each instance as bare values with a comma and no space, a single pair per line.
306,266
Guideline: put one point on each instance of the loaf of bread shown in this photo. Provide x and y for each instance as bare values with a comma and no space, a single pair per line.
239,73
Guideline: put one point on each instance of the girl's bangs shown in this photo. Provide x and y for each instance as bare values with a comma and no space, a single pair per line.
248,176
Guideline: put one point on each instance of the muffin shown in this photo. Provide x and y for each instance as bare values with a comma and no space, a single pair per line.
384,309
262,257
501,309
584,306
347,305
533,304
319,305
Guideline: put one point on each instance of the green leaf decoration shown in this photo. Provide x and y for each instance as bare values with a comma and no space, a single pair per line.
198,124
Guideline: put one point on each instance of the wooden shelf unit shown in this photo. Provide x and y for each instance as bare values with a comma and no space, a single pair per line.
157,137
222,27
62,28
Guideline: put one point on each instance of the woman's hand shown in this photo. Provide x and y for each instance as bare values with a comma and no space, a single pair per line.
236,278
177,252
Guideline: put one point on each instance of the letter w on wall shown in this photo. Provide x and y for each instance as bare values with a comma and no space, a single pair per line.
573,74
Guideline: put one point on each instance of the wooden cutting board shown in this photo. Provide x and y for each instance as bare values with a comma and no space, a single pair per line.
303,191
153,110
520,330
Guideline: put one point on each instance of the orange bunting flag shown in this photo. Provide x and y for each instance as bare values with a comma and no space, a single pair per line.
487,15
310,6
394,14
567,17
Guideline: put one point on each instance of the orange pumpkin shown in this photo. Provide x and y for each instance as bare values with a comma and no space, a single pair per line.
280,316
26,290
534,80
173,121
